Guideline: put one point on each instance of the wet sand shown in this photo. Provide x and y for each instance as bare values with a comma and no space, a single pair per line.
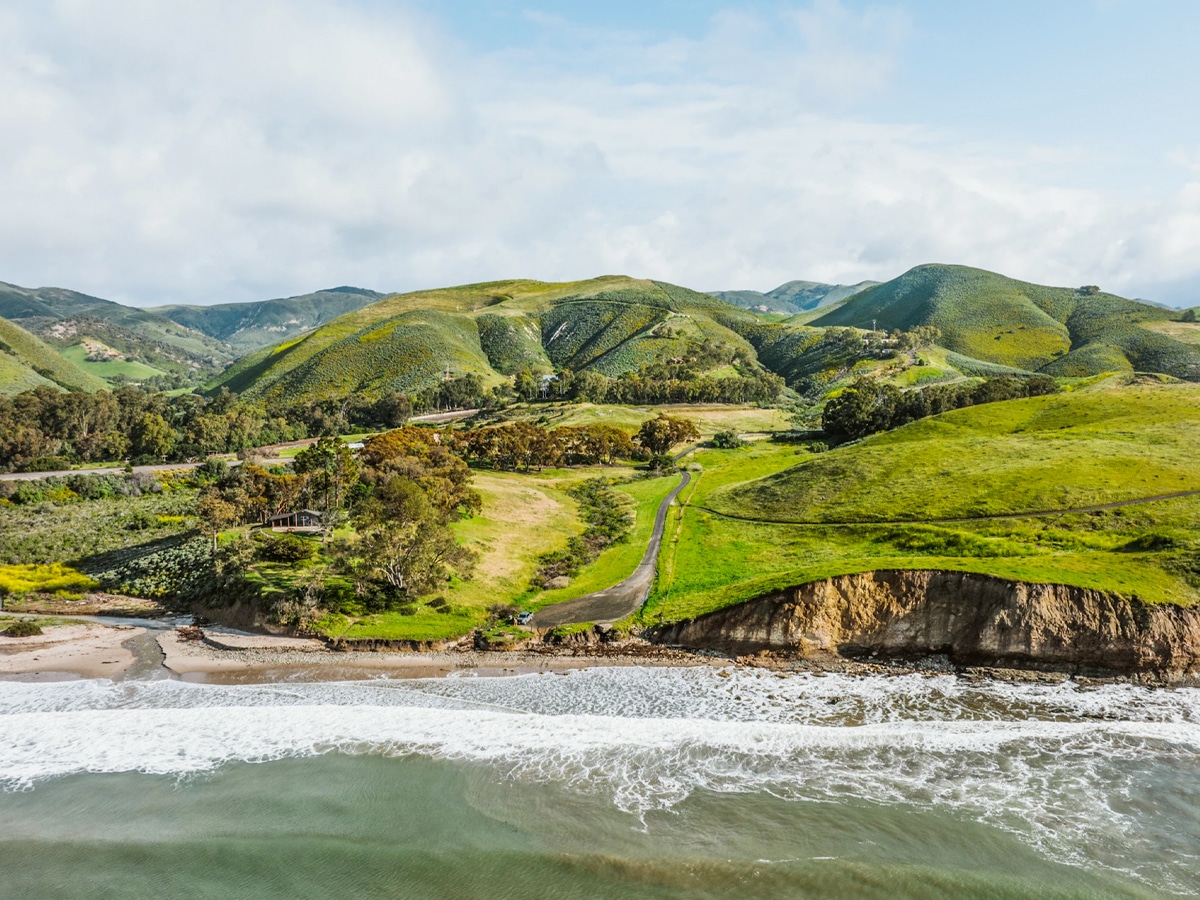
68,651
251,659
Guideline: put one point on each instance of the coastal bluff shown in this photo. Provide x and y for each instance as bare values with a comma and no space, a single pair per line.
974,620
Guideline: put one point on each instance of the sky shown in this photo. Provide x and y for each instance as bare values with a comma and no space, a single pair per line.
204,151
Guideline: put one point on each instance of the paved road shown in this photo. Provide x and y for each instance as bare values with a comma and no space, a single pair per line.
181,466
622,599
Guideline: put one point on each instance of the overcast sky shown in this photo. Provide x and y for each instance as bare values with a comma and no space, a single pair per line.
207,150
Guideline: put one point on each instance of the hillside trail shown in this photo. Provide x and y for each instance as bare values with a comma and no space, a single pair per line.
1040,513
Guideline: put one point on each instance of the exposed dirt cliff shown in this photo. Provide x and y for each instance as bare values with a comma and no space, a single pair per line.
972,619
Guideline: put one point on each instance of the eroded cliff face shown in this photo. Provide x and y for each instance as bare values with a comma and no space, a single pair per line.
973,619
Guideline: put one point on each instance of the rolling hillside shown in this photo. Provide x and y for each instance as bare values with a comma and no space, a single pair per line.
97,333
27,363
247,327
405,342
794,296
988,317
997,459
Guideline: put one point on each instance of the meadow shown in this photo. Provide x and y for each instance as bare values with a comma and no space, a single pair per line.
872,504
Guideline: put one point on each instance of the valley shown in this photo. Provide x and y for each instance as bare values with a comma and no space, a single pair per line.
930,423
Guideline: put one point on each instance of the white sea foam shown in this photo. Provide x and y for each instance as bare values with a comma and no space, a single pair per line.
1057,764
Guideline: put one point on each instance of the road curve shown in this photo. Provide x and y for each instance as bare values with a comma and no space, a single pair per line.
622,599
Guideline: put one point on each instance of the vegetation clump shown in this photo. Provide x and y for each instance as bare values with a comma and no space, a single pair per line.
608,522
869,406
23,628
727,440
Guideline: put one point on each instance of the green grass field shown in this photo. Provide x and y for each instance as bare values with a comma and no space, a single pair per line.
109,369
709,419
1088,447
1096,445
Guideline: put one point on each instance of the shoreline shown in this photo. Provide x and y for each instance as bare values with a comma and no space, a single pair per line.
114,652
255,659
69,652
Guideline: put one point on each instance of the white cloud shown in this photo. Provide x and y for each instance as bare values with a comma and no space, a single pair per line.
207,151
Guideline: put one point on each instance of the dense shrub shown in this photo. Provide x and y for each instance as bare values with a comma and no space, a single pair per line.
23,628
868,406
287,548
608,522
727,440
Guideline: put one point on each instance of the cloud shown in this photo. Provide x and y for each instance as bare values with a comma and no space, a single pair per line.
210,151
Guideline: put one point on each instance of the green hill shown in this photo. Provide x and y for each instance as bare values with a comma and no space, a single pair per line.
1000,458
103,332
1060,331
610,325
246,327
27,363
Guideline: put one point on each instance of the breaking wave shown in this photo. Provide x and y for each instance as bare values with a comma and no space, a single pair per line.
1085,775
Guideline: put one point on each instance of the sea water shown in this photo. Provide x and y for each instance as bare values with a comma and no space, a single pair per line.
616,782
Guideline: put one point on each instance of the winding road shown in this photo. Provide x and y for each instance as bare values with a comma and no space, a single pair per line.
622,599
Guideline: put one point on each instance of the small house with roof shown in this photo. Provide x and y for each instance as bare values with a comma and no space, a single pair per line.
302,520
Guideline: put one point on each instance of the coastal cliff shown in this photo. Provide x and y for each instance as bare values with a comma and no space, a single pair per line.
975,620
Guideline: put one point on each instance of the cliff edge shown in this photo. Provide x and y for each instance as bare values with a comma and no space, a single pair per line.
975,620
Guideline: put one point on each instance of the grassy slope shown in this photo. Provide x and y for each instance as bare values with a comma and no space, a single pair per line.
27,362
523,517
609,324
993,459
35,308
948,466
109,369
996,319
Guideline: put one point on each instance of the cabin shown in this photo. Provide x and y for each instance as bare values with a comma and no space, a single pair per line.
303,520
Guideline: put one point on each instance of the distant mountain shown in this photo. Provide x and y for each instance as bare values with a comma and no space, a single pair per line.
1059,331
406,342
794,296
246,327
27,363
109,339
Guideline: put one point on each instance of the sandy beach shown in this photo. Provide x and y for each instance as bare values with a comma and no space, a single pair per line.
246,659
69,651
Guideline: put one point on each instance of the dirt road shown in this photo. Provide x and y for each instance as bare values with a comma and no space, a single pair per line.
622,599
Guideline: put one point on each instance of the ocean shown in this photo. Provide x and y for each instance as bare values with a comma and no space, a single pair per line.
608,782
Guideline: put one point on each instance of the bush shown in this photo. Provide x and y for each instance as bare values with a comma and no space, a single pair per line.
23,628
48,464
727,440
286,548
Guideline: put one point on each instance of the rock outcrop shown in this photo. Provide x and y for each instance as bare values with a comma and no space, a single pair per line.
975,620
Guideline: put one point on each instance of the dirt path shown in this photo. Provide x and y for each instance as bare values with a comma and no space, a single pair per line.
1099,507
622,599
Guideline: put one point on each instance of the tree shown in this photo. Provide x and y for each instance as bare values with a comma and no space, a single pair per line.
865,407
215,515
335,471
661,434
153,437
727,440
403,550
